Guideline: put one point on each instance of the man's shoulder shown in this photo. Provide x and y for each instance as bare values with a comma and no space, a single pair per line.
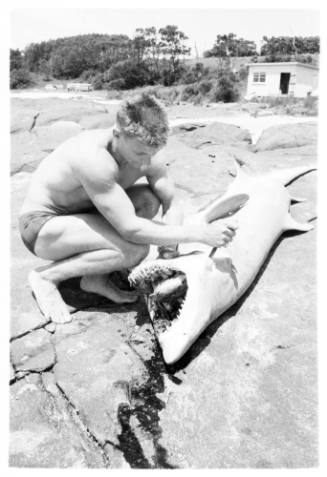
95,159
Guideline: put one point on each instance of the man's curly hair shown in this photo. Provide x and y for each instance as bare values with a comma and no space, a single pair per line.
145,118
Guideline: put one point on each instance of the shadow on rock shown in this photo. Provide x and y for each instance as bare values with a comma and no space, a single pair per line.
77,299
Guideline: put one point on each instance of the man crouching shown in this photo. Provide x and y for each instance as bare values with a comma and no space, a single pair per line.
84,212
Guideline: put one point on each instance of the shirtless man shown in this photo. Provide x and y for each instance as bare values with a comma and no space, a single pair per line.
85,214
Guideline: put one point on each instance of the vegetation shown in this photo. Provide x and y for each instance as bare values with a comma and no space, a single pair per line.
19,74
231,46
147,58
154,58
287,45
290,105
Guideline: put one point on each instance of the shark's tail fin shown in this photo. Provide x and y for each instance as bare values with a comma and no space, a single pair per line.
292,224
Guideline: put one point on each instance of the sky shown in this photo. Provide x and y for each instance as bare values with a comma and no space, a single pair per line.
200,25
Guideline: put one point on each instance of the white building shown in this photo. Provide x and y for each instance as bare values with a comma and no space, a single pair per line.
282,79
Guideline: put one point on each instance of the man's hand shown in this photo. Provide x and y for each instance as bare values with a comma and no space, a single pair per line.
218,233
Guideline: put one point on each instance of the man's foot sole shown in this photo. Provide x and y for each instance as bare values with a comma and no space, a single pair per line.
48,299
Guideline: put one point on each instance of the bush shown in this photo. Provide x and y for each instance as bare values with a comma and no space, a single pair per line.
276,58
243,73
20,78
188,77
193,74
226,89
205,86
304,59
189,91
88,75
118,83
98,81
134,74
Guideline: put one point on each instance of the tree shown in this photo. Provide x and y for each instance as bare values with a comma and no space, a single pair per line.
172,44
149,44
19,75
287,45
229,45
16,60
20,78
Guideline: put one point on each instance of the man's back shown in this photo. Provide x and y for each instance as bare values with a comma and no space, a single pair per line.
56,184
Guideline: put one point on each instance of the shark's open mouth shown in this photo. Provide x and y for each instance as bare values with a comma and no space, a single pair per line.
165,287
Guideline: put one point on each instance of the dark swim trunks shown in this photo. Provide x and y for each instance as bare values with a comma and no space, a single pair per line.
30,225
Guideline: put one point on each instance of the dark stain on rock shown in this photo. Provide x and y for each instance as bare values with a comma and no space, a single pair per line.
128,442
145,405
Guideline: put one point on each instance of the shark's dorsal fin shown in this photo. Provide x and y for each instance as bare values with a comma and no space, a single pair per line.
295,199
291,224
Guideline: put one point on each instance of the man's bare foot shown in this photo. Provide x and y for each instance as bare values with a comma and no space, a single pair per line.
102,285
48,298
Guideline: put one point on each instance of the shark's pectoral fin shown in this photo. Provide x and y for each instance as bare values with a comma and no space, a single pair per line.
292,224
224,206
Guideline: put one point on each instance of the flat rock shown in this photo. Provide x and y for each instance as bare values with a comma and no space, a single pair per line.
93,363
48,137
25,314
42,432
197,136
26,153
98,120
245,395
33,352
287,136
109,368
212,173
50,110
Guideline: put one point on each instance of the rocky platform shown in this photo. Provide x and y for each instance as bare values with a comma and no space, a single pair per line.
95,392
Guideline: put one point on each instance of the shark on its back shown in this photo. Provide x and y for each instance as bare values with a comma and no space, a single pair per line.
185,294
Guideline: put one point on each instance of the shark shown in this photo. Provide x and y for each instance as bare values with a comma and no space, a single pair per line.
187,293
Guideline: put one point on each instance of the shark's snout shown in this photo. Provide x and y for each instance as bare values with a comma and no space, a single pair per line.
178,295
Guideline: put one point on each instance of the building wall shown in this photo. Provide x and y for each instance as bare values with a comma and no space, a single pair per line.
302,80
306,81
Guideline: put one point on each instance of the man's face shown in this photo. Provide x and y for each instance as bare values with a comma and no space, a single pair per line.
136,152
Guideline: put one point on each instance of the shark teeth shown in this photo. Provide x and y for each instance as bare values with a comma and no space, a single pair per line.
152,271
165,288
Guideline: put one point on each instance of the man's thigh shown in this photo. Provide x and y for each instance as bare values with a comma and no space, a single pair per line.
67,235
145,201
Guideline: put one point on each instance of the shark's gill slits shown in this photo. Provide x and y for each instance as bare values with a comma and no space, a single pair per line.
165,289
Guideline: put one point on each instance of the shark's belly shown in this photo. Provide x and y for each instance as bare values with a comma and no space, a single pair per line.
260,224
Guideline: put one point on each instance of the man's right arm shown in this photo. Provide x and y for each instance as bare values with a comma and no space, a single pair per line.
98,178
99,182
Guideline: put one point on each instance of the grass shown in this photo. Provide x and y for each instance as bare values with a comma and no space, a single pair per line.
290,105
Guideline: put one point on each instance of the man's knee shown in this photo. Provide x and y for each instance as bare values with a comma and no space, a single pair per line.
145,202
150,206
